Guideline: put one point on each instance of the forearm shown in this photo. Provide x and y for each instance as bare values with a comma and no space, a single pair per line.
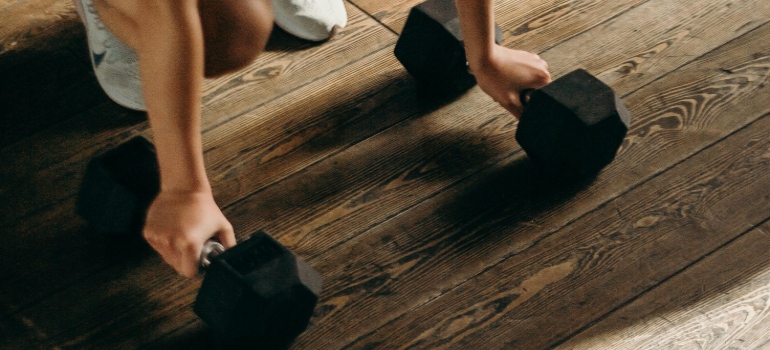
478,27
171,65
500,72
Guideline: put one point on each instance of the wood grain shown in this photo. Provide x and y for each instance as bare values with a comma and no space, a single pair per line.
44,227
533,25
66,185
468,228
660,43
241,172
39,25
42,80
426,220
289,63
42,172
66,145
721,302
371,275
587,269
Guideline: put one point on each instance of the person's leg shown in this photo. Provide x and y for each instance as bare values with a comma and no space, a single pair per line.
118,16
235,31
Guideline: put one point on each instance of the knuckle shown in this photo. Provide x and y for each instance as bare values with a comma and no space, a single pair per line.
543,77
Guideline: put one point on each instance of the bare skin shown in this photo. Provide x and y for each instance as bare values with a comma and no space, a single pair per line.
501,72
180,42
170,37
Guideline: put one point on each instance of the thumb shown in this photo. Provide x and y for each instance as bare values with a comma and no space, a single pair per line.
513,105
226,235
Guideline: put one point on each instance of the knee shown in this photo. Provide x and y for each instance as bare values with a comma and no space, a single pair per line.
235,33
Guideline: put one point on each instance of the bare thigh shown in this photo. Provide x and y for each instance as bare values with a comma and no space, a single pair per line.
234,31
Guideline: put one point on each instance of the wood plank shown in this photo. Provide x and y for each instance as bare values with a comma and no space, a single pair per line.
528,25
723,302
42,222
688,30
404,263
42,81
19,334
74,141
289,63
391,14
587,269
7,3
363,151
37,25
43,88
45,227
64,146
276,140
309,224
44,244
362,293
252,158
657,26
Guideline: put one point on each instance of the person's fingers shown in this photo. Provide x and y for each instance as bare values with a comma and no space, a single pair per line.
226,235
541,78
170,255
513,109
161,245
189,254
513,104
180,255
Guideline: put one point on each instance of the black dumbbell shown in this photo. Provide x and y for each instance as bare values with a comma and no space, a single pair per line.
431,49
257,294
574,126
571,128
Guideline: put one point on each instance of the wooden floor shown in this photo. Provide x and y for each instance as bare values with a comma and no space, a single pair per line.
426,220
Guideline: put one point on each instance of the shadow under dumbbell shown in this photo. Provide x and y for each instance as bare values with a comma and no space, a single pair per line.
120,247
432,97
514,195
199,337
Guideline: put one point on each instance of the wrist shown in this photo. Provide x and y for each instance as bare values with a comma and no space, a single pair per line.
184,184
184,176
480,59
180,158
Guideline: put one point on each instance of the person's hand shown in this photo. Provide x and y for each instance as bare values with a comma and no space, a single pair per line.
505,73
179,223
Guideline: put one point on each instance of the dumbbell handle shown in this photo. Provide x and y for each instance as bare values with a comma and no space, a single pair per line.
210,249
524,96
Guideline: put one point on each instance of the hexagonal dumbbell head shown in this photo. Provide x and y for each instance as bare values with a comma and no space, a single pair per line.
431,49
118,187
573,126
258,294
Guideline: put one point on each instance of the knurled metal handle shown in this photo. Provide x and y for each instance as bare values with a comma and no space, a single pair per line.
525,95
210,249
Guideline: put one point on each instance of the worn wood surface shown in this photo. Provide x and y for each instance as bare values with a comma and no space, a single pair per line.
425,218
721,302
